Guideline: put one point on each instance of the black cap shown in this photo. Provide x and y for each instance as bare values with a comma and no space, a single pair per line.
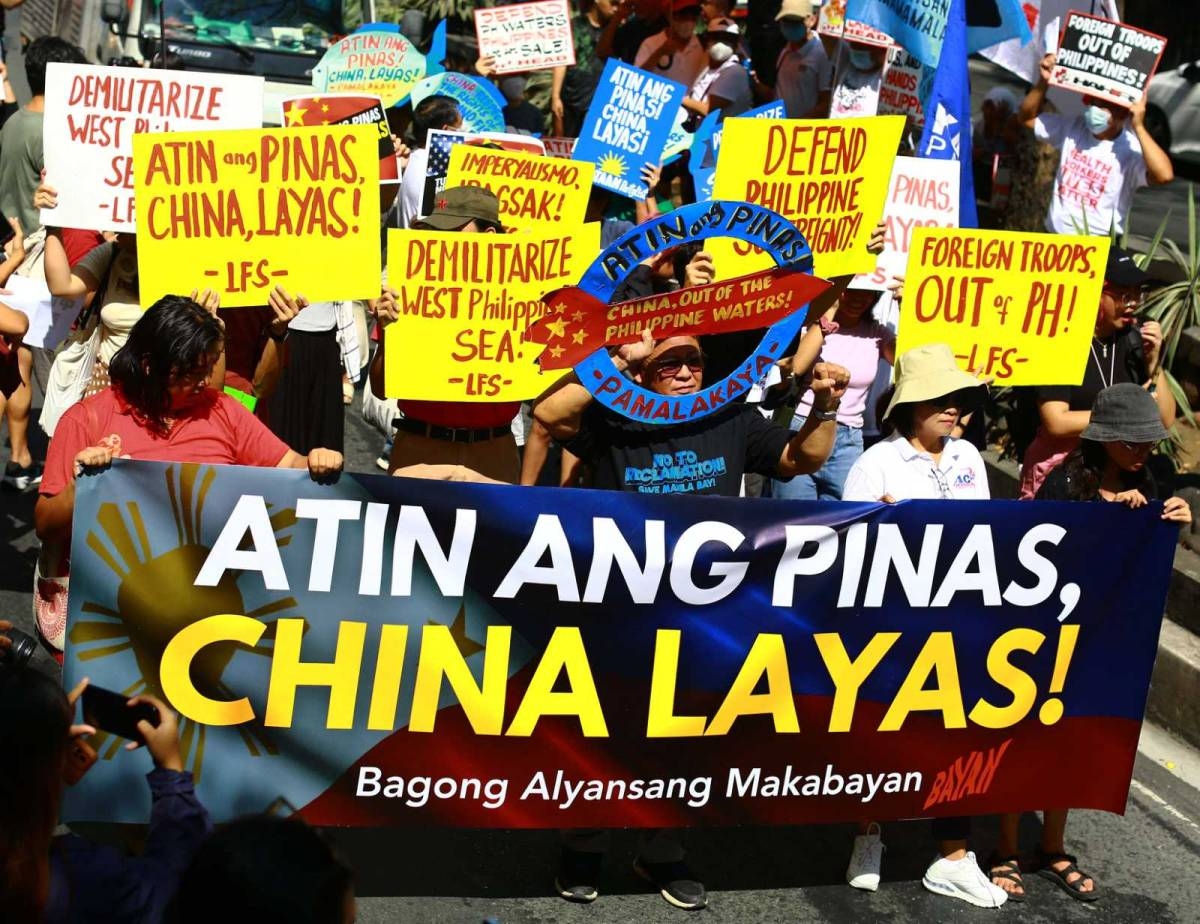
1122,271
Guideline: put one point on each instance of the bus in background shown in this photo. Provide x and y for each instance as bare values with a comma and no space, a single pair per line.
281,41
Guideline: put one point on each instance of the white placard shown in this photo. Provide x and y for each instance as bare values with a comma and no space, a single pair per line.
92,114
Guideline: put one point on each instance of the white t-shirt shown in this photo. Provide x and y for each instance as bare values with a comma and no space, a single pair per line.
1096,179
802,73
412,187
685,65
730,82
896,468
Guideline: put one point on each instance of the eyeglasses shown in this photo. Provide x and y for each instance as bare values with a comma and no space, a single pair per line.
1124,301
669,368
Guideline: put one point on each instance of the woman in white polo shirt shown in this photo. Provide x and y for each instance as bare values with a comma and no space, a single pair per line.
921,460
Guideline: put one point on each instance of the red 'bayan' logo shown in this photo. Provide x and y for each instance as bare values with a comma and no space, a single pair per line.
969,775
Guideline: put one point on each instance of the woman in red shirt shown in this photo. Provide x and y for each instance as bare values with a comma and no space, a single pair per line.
161,407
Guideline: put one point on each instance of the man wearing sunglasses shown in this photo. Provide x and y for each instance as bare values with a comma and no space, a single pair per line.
708,455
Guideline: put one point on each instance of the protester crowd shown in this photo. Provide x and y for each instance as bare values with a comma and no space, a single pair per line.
186,380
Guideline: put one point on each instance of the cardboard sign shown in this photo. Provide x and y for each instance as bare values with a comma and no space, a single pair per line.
559,147
440,143
832,21
1020,307
375,60
465,301
526,36
900,89
479,102
241,212
576,324
345,109
707,221
92,114
534,191
627,126
922,193
50,317
1106,59
827,177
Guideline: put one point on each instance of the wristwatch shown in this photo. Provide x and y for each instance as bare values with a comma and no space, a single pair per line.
278,338
829,413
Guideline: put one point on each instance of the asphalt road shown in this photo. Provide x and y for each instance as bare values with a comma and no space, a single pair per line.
1146,862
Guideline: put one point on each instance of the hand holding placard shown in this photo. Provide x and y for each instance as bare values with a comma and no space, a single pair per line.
1016,306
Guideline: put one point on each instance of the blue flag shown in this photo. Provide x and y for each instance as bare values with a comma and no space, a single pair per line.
947,105
919,27
990,22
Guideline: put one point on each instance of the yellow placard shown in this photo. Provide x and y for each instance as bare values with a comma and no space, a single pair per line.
243,211
465,300
535,192
827,176
1019,307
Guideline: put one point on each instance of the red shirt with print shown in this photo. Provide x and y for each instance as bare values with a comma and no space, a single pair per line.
217,430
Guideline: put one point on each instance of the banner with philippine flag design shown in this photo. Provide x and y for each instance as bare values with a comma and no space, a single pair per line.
388,652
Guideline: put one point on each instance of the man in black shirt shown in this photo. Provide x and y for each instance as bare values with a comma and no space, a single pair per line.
708,455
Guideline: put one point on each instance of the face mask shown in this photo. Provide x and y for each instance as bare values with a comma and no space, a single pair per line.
720,53
794,31
1098,119
861,60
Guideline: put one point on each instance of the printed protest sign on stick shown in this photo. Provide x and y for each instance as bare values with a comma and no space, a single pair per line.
241,212
923,193
465,301
526,36
828,177
559,147
627,126
832,21
479,102
376,60
899,90
533,190
92,114
1106,59
347,109
1020,307
440,144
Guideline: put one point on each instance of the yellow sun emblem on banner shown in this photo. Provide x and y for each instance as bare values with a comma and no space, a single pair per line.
612,164
156,598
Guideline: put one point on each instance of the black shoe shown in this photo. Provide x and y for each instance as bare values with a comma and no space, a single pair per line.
676,883
21,477
578,873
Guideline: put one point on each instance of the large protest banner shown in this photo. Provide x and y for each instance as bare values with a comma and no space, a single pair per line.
465,301
533,190
922,193
92,114
526,36
1020,307
829,177
242,212
627,126
385,651
1105,58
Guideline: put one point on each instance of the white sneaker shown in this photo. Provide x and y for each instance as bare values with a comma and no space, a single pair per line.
965,880
865,860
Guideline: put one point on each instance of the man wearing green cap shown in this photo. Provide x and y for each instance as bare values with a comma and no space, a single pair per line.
477,435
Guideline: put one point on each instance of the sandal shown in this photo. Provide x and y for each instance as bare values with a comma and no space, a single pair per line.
1061,877
1007,868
